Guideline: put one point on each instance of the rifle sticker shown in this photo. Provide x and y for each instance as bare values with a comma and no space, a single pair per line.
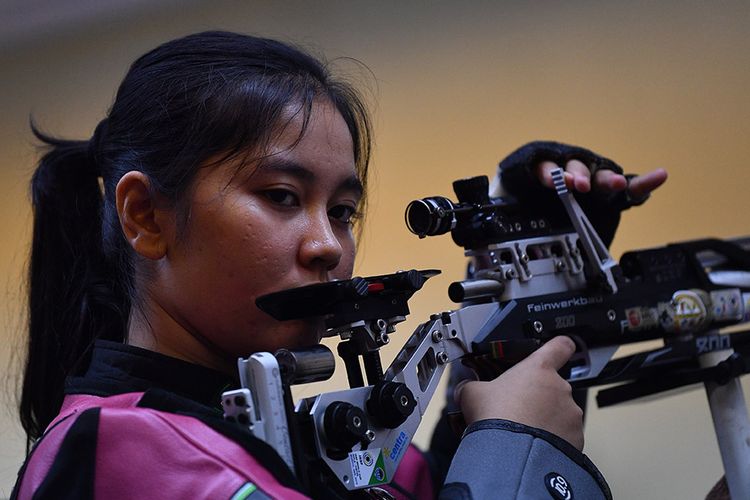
368,467
727,304
685,313
641,318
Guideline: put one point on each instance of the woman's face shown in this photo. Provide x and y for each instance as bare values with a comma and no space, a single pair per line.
281,223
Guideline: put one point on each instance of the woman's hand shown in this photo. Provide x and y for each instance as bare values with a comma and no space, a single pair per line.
578,178
530,393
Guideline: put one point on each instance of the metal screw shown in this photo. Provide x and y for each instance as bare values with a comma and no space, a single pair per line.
510,274
381,324
356,422
538,326
560,265
370,435
437,336
611,315
442,358
404,401
384,338
524,258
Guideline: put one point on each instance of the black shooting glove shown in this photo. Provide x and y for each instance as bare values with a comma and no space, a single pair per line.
517,173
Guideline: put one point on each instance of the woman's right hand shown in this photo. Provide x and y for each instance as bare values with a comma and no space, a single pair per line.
530,393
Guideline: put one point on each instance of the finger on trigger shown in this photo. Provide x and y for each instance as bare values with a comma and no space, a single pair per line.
556,352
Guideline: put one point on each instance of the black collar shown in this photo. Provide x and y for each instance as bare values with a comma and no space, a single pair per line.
118,368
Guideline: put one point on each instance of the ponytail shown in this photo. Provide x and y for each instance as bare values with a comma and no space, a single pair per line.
72,299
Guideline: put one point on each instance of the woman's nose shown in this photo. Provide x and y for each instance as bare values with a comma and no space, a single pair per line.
320,247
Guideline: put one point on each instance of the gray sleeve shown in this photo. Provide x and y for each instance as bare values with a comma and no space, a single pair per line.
503,459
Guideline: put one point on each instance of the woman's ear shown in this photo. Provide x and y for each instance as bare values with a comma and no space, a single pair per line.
142,217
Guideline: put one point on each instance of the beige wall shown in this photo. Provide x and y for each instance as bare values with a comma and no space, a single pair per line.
458,86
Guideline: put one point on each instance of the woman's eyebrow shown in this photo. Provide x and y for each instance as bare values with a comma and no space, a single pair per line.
353,184
287,167
299,171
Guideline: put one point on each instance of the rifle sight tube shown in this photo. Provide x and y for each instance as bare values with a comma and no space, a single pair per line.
462,291
301,366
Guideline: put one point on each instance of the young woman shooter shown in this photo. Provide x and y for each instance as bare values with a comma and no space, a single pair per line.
228,167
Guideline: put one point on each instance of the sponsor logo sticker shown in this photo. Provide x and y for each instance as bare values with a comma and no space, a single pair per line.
368,467
558,486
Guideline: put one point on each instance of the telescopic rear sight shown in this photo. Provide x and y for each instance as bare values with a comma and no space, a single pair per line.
436,215
430,216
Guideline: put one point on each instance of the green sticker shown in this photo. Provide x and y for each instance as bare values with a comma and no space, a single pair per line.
378,473
245,491
367,467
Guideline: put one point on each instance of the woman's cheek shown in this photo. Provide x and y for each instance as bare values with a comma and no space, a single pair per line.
261,245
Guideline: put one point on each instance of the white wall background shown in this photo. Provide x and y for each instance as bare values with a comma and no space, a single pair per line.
458,86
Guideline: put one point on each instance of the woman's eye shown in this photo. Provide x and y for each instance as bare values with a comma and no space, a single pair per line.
343,213
282,197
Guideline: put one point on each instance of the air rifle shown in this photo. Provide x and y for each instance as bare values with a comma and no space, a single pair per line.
533,277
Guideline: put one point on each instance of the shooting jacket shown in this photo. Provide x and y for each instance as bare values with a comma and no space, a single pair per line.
142,425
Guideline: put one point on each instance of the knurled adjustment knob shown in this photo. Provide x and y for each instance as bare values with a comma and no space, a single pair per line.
391,403
345,425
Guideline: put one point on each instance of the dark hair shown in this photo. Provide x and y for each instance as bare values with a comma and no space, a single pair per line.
180,105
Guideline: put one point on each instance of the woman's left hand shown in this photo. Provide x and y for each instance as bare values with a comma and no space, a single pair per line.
578,178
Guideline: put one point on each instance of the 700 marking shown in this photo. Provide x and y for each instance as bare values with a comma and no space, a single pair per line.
565,321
